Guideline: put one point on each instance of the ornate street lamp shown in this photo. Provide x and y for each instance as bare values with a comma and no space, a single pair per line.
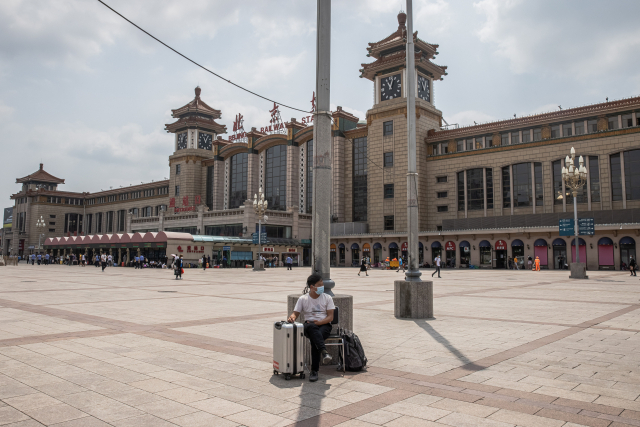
260,207
40,227
574,177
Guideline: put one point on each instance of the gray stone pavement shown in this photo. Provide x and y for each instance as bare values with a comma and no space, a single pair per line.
81,348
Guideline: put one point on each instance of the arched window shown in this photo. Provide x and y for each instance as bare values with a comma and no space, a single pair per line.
238,180
276,178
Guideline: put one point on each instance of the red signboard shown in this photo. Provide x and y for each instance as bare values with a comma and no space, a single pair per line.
450,246
501,245
268,250
404,246
21,245
195,249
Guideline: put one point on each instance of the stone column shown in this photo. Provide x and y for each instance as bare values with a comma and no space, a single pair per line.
339,145
218,184
128,220
413,300
293,175
201,219
253,171
160,224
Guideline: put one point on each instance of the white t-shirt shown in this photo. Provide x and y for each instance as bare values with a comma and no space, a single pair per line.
438,261
103,258
314,309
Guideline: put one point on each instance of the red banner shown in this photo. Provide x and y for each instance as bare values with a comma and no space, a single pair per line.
404,246
501,245
450,246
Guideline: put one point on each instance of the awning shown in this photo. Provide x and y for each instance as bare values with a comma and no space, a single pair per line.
540,242
581,241
605,241
377,246
355,246
420,246
559,242
436,245
517,242
627,241
464,244
341,246
484,244
393,245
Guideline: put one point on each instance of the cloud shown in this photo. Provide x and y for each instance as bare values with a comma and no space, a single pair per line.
558,38
5,112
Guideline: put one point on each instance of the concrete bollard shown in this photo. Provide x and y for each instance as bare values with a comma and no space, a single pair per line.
413,300
345,307
578,270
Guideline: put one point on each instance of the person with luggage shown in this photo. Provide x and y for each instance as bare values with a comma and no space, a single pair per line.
363,267
436,264
317,308
177,266
632,266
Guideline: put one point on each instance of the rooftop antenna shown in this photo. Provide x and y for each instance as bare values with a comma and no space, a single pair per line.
560,107
607,99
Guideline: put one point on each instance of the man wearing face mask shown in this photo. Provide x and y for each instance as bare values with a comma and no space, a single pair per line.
317,308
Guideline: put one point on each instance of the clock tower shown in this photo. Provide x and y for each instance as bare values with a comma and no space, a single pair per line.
387,125
196,144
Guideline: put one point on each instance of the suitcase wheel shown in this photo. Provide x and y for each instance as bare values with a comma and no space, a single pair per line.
275,372
287,377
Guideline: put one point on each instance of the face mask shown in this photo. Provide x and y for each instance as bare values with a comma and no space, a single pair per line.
320,290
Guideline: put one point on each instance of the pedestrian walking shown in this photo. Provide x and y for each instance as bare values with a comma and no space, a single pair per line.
632,266
537,263
363,267
530,263
515,263
177,266
103,261
204,262
436,262
289,263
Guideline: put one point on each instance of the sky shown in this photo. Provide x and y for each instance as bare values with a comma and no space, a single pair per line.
89,95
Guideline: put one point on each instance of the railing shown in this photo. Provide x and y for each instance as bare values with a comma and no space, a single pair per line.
348,228
228,212
144,220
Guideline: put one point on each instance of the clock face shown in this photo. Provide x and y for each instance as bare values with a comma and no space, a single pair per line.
424,88
204,141
182,141
390,87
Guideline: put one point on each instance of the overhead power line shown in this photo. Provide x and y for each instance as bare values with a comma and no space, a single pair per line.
195,63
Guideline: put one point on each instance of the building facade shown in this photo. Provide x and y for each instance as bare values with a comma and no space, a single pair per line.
487,192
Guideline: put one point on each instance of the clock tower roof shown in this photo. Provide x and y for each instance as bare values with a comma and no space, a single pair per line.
40,176
196,114
390,53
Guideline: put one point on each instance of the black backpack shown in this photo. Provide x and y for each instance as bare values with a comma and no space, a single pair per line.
355,360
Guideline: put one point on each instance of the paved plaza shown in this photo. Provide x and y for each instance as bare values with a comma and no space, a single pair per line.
81,348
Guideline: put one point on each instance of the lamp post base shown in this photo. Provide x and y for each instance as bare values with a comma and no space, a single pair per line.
258,265
578,270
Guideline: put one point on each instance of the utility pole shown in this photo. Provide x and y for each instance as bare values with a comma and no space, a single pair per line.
413,275
322,178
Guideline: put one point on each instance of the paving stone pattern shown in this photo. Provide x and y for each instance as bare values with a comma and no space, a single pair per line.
81,348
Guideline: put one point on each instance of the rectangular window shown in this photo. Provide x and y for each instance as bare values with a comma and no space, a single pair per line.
177,169
627,120
460,145
121,221
526,136
387,128
461,191
469,145
388,223
441,194
537,134
506,187
475,189
616,177
238,180
489,173
99,218
234,230
632,174
52,216
177,191
360,171
276,177
310,176
210,184
110,222
52,230
479,143
504,139
52,223
612,123
388,191
555,131
515,137
567,129
579,127
557,182
522,185
592,126
443,208
388,160
277,231
489,141
441,179
594,177
537,172
444,148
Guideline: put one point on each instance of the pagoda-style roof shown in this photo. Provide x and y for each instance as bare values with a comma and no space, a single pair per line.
40,176
391,53
196,114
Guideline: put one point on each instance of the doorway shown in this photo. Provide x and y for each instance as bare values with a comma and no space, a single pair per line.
627,249
559,254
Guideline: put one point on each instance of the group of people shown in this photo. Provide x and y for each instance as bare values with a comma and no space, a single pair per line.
534,264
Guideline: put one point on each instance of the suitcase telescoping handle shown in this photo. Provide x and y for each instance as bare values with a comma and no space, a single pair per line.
278,325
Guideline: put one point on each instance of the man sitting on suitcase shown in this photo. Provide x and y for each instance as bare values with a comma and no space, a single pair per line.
317,308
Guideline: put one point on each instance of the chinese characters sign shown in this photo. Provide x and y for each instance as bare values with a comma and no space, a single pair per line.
197,200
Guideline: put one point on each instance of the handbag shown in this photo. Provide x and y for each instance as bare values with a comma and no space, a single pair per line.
182,271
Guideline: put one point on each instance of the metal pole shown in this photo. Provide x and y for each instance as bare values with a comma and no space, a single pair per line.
575,225
413,274
322,149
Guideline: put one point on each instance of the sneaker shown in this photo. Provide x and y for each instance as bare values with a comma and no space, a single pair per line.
326,357
313,377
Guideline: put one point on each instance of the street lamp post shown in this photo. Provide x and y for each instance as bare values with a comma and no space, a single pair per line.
260,207
575,177
40,227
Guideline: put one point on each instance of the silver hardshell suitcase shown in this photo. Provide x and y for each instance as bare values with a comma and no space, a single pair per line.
288,342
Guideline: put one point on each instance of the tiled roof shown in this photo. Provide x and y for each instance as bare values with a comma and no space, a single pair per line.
40,176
